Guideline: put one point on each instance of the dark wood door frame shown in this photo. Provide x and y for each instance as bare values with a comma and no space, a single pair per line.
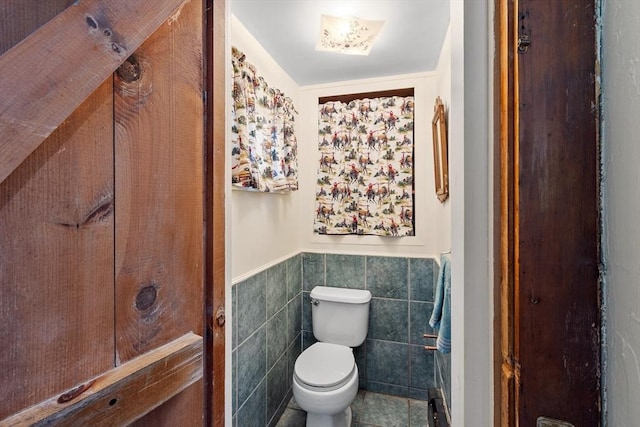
547,348
504,362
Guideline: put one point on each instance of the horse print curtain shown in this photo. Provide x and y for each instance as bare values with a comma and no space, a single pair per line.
365,173
264,147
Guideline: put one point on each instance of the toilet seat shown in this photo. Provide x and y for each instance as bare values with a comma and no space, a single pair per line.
324,366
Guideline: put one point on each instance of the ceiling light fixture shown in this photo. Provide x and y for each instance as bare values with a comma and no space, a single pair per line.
352,36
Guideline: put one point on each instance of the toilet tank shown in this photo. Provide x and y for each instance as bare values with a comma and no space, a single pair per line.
340,315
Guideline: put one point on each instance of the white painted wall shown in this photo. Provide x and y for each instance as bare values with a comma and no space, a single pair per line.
471,142
621,109
431,222
265,227
443,85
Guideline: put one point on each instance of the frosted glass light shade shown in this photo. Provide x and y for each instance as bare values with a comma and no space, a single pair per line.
352,36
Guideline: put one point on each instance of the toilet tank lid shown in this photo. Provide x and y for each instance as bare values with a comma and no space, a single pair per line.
351,296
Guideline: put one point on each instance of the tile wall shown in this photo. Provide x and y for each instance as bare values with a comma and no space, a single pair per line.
272,324
266,340
443,377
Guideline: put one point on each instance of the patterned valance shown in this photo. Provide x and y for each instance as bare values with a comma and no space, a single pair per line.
264,147
365,173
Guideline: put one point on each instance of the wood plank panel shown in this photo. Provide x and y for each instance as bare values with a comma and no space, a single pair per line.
67,59
557,203
56,260
22,17
122,394
215,174
159,199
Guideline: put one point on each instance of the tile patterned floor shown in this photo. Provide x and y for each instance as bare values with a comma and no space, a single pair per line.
369,410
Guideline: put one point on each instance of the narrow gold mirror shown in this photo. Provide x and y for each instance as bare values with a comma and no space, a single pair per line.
440,157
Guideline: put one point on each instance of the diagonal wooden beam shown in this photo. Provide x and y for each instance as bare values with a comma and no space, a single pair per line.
123,394
44,78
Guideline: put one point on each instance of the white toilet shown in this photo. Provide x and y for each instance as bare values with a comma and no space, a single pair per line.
325,378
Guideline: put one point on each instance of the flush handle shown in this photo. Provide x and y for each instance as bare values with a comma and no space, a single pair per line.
314,301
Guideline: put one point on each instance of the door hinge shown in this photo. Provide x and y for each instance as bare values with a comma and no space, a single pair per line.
523,43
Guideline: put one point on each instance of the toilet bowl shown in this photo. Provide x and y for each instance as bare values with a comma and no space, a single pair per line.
325,383
325,378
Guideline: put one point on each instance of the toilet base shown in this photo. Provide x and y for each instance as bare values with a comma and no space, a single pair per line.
341,419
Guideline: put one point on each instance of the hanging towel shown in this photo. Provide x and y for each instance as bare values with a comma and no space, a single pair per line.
441,315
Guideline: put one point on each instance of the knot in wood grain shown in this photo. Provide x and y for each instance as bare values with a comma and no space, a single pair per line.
118,49
102,211
72,394
220,317
146,297
129,71
105,36
91,22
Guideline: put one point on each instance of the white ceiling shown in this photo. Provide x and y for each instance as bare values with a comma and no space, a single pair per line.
410,40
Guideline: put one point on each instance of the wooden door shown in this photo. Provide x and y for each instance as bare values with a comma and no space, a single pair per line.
104,229
159,201
549,213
